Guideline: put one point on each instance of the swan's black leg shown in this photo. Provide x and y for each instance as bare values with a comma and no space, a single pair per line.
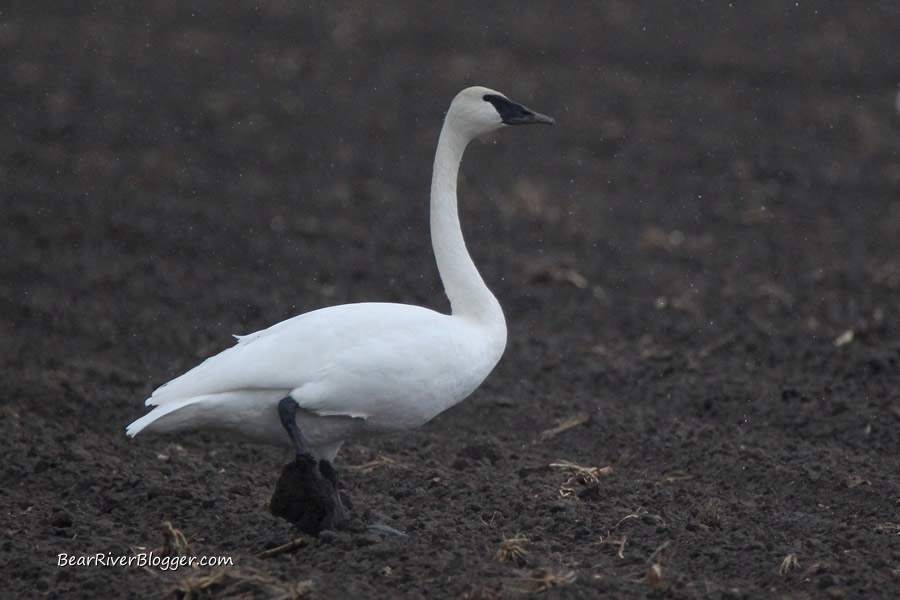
310,500
307,491
326,468
287,412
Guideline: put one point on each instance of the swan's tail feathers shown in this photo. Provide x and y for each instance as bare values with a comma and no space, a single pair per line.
156,414
250,414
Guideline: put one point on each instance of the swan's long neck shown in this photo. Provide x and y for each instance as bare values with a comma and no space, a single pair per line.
469,296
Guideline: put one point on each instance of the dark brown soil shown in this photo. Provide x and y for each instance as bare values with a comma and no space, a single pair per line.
700,267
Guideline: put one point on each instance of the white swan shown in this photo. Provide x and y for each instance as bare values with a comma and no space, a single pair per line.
359,369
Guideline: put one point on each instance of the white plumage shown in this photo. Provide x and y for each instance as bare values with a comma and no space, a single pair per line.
360,369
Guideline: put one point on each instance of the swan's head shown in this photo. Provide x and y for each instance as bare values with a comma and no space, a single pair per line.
478,110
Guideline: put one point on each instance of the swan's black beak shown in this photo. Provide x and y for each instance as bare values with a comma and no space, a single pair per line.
526,116
512,113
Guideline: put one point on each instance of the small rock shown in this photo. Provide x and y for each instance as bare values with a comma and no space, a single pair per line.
61,520
327,536
367,539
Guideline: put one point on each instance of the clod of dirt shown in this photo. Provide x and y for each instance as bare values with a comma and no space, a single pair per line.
484,451
305,498
61,520
592,493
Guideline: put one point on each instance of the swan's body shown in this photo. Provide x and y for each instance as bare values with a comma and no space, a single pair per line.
354,369
360,369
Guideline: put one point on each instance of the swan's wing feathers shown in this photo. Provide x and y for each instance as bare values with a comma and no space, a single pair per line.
401,377
307,353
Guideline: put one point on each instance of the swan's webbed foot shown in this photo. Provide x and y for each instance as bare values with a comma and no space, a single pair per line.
307,498
307,493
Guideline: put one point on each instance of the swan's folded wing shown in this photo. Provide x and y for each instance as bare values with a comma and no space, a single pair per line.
315,353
